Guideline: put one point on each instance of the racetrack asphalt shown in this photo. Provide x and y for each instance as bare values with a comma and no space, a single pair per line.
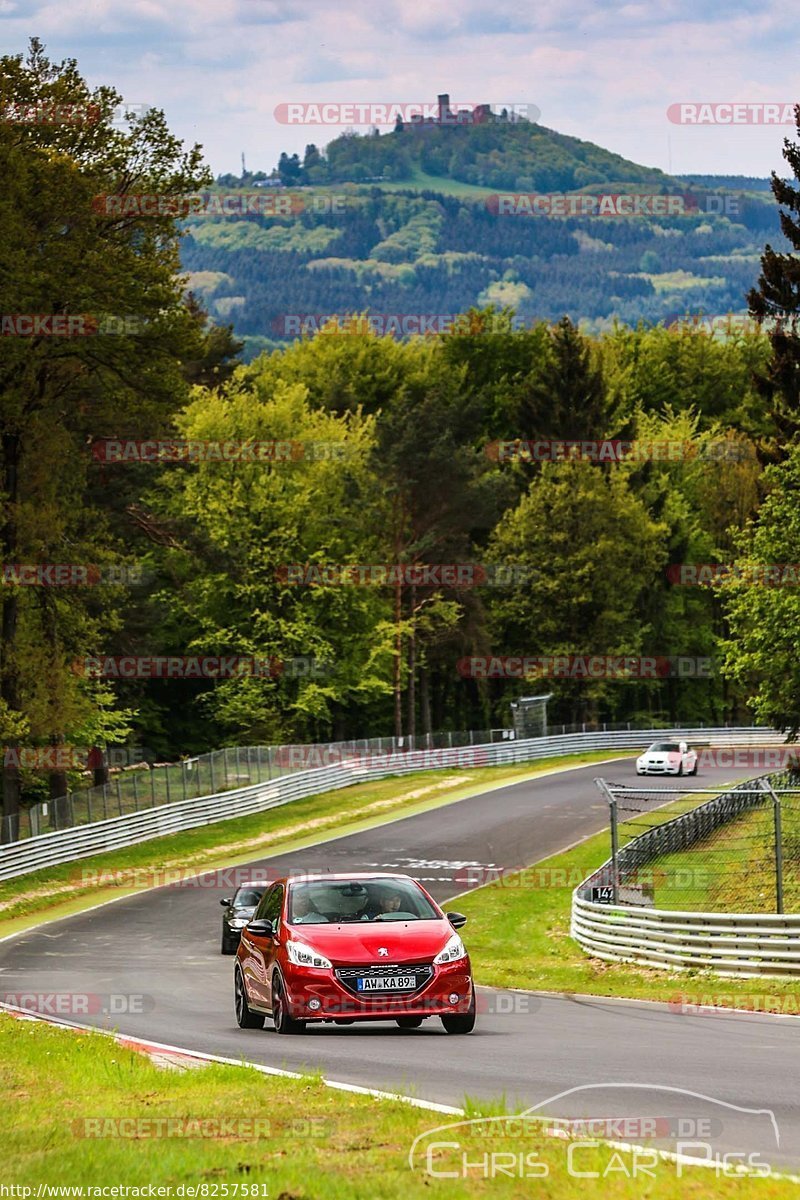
159,952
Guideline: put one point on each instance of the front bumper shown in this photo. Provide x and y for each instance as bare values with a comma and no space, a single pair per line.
315,995
659,769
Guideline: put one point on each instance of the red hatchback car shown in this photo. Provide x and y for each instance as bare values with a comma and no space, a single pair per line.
348,948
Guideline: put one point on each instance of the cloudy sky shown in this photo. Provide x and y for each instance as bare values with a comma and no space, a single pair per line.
603,71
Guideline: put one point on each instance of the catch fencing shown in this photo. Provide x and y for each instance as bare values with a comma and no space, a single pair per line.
106,834
719,861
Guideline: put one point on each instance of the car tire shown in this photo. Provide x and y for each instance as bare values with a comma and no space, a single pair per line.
281,1018
228,945
680,768
461,1022
409,1022
245,1017
693,770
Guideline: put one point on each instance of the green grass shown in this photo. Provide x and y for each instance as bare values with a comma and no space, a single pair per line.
420,181
310,1141
66,889
733,870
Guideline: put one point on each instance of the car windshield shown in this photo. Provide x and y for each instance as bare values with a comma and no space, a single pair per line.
671,746
339,900
247,898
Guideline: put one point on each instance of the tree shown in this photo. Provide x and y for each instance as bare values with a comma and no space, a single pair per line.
763,651
566,397
591,550
238,527
290,170
67,253
776,300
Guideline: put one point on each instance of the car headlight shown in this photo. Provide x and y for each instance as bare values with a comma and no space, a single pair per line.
303,956
237,922
452,951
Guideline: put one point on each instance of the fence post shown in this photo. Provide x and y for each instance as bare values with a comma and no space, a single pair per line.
152,787
135,793
612,812
211,772
166,778
183,776
776,817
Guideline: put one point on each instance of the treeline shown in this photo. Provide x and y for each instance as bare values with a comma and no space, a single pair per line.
427,253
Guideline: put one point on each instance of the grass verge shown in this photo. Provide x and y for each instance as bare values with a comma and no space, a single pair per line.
518,937
108,1117
71,887
733,870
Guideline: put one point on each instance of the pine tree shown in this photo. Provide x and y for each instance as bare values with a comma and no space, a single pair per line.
777,301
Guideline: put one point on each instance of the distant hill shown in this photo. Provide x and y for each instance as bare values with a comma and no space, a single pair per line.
409,222
737,183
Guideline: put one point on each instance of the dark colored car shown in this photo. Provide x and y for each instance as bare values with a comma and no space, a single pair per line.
352,948
238,910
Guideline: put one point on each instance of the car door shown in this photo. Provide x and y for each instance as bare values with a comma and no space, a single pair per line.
259,952
269,946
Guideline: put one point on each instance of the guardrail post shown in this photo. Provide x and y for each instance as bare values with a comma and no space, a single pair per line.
776,818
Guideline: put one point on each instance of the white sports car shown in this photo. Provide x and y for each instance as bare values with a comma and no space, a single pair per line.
667,758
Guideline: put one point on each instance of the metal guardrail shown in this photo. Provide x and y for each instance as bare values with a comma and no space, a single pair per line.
67,845
744,944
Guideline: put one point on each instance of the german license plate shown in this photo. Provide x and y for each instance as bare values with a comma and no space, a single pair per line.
385,983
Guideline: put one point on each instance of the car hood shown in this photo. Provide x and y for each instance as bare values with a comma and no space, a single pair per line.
406,941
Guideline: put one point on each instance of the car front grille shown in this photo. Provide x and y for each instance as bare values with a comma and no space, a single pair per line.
347,976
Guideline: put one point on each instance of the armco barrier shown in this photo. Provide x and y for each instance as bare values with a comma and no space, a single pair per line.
50,849
730,944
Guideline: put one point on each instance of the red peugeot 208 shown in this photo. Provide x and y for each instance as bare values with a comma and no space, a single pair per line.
347,948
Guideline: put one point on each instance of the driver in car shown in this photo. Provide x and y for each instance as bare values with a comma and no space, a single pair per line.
303,910
387,902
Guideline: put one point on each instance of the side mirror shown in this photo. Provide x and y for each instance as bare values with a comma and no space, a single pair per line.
683,747
227,902
261,928
456,919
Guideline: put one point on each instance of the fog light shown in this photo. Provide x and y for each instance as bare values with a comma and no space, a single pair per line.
314,1005
453,998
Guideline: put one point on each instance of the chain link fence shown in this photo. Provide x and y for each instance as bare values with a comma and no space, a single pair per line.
137,788
705,849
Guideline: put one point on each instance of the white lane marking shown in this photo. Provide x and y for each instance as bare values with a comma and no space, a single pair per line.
146,1044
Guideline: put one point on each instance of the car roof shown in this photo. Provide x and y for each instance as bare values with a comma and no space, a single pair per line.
345,877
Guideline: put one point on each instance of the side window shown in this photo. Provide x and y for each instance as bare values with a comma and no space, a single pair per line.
274,903
261,911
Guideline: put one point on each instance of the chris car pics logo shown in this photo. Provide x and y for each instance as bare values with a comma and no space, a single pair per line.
622,1130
